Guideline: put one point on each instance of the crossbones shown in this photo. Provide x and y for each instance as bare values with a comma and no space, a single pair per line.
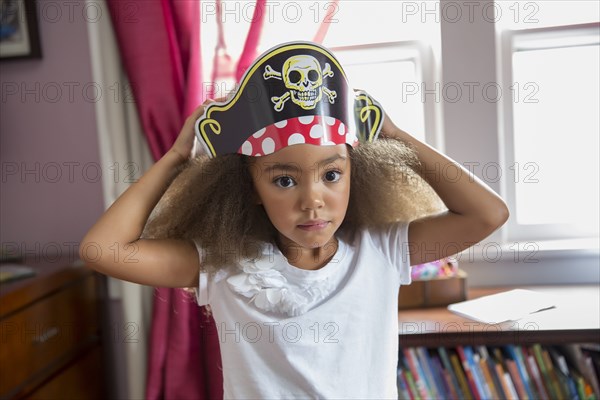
303,78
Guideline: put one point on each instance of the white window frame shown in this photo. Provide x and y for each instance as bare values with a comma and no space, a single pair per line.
513,41
421,54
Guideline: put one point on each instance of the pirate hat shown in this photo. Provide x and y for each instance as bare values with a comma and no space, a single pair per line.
294,93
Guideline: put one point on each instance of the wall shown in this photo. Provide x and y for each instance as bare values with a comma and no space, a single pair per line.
51,187
469,51
51,191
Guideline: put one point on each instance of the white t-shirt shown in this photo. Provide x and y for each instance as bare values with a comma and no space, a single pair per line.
285,332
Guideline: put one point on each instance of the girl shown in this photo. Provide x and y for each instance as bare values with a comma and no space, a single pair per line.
297,236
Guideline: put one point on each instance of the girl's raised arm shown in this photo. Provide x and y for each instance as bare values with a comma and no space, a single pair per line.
474,210
113,245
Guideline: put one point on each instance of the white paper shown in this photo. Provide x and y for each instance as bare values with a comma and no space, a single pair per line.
506,306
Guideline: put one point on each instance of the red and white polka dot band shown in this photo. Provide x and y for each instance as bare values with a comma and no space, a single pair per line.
309,129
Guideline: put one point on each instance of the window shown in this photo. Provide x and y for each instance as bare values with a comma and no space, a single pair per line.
384,49
395,74
551,130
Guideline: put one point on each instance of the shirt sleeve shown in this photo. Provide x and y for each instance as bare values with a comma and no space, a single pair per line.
201,291
392,240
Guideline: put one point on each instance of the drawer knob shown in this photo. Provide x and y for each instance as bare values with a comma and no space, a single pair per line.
46,335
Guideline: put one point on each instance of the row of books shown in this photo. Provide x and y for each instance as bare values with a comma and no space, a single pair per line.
500,372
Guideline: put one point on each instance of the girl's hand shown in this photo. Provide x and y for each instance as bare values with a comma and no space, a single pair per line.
389,129
184,143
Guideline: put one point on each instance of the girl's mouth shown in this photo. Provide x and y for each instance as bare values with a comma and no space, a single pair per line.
314,227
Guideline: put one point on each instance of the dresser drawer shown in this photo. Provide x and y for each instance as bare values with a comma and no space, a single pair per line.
79,381
42,336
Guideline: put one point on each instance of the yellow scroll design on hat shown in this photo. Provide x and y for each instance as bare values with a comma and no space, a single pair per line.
365,112
216,129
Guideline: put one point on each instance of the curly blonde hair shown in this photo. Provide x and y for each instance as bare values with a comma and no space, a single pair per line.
210,201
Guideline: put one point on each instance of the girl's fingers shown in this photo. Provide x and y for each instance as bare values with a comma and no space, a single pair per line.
200,109
197,113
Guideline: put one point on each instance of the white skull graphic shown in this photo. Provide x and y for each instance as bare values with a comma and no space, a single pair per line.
303,77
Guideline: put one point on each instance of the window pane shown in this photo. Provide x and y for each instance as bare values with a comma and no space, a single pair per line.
407,113
555,97
540,14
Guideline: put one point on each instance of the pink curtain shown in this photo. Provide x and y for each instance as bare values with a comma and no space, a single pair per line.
160,47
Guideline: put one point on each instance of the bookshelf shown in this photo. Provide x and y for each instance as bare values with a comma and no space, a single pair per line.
547,351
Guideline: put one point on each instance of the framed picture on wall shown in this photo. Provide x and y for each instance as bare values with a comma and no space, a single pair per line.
19,35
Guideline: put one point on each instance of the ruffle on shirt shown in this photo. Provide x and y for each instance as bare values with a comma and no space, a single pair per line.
263,282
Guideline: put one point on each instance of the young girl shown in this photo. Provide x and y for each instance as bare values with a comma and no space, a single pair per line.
296,235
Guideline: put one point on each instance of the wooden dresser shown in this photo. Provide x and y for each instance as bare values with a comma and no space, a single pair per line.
50,333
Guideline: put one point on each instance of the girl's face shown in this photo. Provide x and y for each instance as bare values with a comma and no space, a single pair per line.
305,191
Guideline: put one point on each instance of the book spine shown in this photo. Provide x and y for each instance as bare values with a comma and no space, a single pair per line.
516,378
407,376
440,376
461,378
496,386
403,389
515,352
451,373
537,378
477,373
481,372
586,360
573,389
412,386
477,394
423,360
581,388
537,352
507,386
417,373
566,376
593,378
555,380
452,390
487,375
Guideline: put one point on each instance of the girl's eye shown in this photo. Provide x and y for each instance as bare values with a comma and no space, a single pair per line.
333,176
284,181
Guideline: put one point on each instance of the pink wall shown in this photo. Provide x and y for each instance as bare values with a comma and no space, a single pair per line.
50,184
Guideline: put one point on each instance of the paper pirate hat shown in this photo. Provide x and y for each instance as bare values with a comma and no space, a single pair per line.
294,93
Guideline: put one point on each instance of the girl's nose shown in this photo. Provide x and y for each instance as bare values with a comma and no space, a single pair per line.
312,198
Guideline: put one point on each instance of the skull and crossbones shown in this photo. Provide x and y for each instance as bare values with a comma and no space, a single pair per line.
303,78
